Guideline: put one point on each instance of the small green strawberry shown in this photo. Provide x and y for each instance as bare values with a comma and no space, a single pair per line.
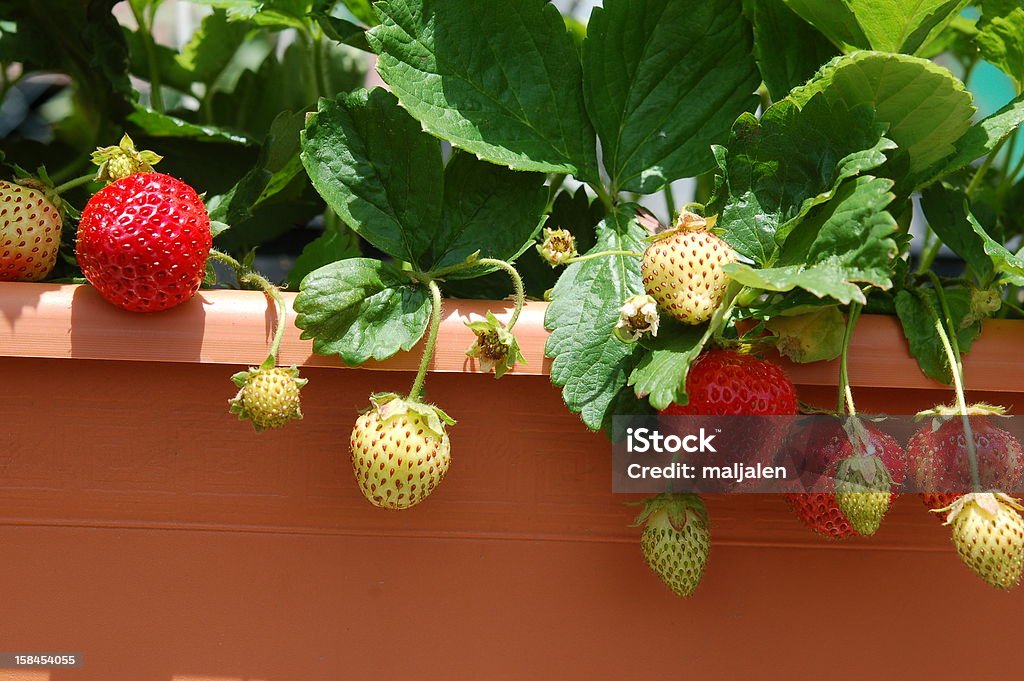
682,269
117,163
863,492
676,540
268,397
495,347
988,533
30,224
400,451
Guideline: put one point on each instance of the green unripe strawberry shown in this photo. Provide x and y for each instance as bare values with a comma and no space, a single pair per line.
269,398
988,533
682,270
676,540
30,227
400,451
863,492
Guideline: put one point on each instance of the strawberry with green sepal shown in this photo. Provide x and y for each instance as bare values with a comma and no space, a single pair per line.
143,242
117,163
988,533
400,448
683,269
863,489
676,539
30,226
269,398
400,451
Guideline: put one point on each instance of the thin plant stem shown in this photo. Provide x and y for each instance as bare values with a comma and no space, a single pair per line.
602,254
845,393
979,174
247,276
428,349
602,194
952,349
670,203
77,182
156,97
517,283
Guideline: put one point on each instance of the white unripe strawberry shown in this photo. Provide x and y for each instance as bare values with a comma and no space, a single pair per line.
682,270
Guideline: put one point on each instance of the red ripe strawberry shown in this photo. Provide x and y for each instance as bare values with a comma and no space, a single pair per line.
728,383
938,455
827,445
143,242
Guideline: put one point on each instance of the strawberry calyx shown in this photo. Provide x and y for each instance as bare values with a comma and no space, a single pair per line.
680,508
392,405
116,163
989,504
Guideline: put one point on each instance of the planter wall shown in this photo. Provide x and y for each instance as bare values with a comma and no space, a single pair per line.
144,526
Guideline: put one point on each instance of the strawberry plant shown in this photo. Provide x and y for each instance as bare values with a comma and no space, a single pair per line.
833,157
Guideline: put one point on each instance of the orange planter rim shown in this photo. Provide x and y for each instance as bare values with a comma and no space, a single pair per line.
67,321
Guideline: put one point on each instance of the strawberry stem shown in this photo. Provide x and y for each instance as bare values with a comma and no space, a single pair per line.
952,349
845,404
249,277
77,182
428,349
517,282
601,254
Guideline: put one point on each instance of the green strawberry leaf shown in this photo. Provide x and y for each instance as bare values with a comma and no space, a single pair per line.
842,245
815,336
982,138
1001,42
331,246
777,168
927,109
590,365
272,14
343,31
853,226
213,46
370,161
788,49
826,279
656,110
660,375
488,209
275,170
361,309
884,25
901,26
499,79
917,310
835,20
947,213
1006,263
384,177
156,124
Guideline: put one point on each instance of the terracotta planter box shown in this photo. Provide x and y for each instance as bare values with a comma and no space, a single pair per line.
147,528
